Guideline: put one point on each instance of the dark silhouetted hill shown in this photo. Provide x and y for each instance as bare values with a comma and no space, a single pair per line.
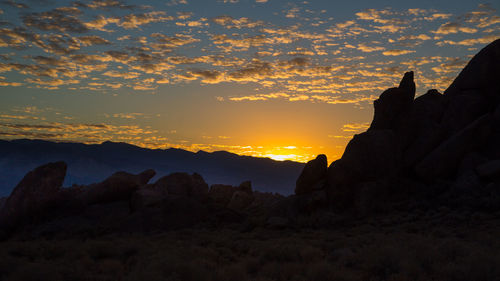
93,163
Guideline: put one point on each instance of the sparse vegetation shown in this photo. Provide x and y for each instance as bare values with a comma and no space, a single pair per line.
428,246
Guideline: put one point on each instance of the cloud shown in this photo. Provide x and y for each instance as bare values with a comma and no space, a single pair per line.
208,76
100,22
51,82
104,4
4,83
355,127
292,13
230,22
14,4
367,49
252,72
452,65
127,115
177,2
422,37
124,75
62,19
53,61
169,42
373,15
472,41
135,20
118,56
454,27
93,40
82,132
397,52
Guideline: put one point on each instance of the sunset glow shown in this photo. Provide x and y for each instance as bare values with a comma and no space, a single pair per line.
277,79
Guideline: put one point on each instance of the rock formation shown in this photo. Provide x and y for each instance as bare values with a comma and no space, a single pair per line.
234,197
313,176
117,187
183,184
37,191
433,142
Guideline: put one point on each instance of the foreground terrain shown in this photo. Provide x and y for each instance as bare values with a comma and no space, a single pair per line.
424,245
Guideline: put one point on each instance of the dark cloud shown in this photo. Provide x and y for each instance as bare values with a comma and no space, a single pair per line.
23,134
55,20
19,38
169,42
93,40
255,70
50,61
16,4
61,44
104,4
31,69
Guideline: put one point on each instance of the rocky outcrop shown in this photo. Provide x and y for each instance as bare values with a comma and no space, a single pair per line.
369,156
480,76
183,184
394,104
174,185
147,196
313,176
240,200
234,197
489,170
36,192
444,159
118,186
433,143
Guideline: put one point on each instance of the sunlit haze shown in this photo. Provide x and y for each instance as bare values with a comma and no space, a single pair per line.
281,79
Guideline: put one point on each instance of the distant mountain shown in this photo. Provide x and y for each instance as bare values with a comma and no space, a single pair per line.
93,163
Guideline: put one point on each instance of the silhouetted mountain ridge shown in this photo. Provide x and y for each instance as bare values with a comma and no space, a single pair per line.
94,162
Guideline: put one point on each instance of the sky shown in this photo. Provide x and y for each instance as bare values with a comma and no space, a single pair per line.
281,79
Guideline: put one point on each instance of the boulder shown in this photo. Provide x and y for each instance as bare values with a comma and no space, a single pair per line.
310,202
424,116
221,193
240,200
423,143
373,155
489,170
313,176
393,104
246,186
370,155
118,186
444,160
461,110
183,184
35,193
147,196
480,76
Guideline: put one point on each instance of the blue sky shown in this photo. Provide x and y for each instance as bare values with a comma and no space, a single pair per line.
280,79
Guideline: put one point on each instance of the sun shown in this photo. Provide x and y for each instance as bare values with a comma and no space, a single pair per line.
283,157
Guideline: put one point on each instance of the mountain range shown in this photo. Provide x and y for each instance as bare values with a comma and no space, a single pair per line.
89,163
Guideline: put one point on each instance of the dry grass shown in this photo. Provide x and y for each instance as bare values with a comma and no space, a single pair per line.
397,248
